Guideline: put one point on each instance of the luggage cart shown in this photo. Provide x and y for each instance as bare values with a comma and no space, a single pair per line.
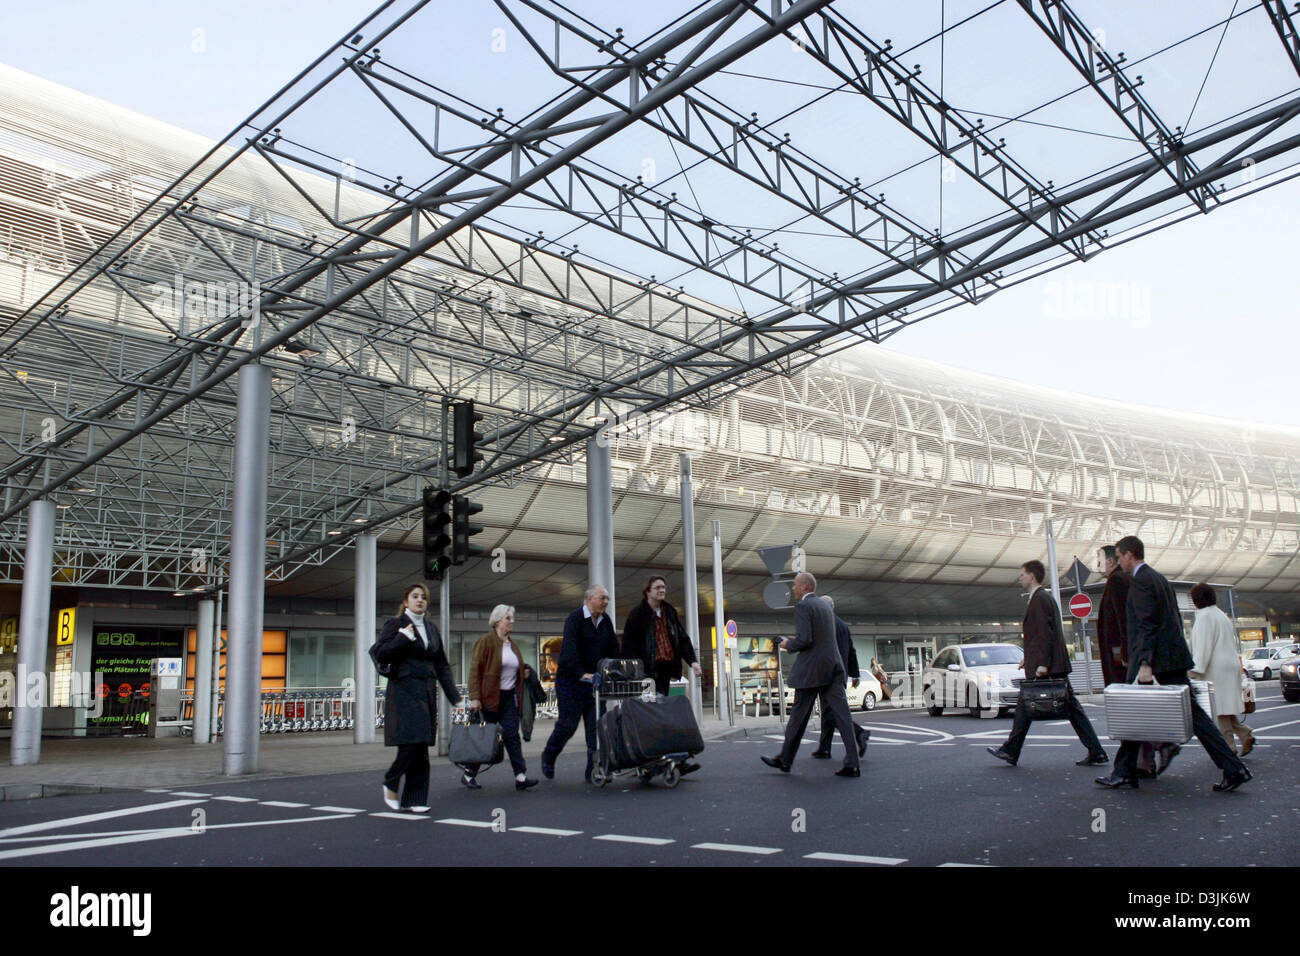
613,693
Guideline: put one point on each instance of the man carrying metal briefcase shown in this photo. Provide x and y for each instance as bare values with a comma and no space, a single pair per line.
1046,657
1157,651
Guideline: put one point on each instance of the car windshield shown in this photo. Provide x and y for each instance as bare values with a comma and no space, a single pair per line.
1260,654
1000,654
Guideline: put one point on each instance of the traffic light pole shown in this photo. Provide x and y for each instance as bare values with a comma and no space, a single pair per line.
444,603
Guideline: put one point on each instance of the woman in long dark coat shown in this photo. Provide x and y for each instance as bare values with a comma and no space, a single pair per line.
411,648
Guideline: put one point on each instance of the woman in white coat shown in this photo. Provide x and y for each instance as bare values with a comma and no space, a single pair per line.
1217,650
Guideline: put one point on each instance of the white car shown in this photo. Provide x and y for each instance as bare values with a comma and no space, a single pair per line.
1265,663
978,678
866,695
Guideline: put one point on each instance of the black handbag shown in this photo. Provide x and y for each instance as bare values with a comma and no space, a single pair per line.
1046,698
620,668
476,742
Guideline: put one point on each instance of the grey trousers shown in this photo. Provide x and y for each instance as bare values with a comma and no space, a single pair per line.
835,708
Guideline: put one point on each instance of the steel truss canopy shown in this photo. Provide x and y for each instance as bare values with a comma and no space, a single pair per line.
570,221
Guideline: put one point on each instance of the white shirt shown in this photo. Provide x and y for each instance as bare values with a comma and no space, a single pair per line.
595,618
509,667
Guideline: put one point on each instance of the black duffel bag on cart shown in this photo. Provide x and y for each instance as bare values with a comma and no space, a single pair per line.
648,731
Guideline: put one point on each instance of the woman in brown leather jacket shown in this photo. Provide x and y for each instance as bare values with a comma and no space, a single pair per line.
497,675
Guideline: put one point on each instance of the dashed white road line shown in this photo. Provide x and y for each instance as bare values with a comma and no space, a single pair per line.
338,810
481,824
620,838
853,858
545,831
400,816
186,793
737,848
981,866
281,803
95,817
237,799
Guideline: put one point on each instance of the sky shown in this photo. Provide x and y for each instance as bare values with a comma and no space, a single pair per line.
1201,317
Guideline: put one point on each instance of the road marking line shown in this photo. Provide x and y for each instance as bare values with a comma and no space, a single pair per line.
95,817
186,793
156,790
281,803
852,858
545,831
982,866
91,844
1288,723
484,825
737,848
237,799
619,838
338,810
401,816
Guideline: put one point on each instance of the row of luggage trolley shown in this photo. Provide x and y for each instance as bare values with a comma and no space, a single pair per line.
639,732
302,710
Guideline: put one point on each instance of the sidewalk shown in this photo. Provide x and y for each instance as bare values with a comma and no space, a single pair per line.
92,765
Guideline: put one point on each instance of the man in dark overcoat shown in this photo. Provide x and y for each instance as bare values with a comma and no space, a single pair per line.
1046,656
588,637
1158,651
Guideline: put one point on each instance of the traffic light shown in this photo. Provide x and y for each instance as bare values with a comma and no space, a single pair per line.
437,532
464,439
462,530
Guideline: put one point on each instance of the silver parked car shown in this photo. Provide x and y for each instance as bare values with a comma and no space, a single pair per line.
978,678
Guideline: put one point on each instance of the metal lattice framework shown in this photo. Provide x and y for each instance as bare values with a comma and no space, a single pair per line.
136,281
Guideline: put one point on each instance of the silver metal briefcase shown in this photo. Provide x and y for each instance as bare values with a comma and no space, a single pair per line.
1203,690
1158,713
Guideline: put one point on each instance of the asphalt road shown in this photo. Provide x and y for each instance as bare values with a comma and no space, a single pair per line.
929,796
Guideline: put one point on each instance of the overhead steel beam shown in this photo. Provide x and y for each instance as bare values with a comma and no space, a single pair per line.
1105,74
1286,29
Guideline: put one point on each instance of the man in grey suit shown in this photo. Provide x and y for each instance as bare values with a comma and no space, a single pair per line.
818,672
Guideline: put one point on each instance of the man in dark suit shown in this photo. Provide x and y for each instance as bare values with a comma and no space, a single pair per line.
1045,656
1157,649
588,636
849,655
1112,637
818,673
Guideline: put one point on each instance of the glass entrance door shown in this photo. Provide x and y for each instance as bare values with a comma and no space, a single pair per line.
917,655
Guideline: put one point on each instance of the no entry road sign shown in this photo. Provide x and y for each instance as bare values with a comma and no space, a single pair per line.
1081,606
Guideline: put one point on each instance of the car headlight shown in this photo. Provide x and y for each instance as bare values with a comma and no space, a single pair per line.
1288,668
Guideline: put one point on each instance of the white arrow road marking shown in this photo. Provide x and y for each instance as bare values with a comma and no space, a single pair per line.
545,831
619,838
737,848
141,836
95,817
120,833
852,858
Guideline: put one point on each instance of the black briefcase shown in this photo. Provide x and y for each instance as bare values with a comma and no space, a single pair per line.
1048,698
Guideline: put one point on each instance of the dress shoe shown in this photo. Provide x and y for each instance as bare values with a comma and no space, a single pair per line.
864,737
525,784
1115,781
848,772
418,809
689,767
391,802
471,783
1145,774
548,770
776,762
1001,755
822,754
1247,747
1231,781
1092,760
1165,755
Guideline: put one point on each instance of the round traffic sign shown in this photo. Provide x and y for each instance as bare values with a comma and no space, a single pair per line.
1081,605
732,630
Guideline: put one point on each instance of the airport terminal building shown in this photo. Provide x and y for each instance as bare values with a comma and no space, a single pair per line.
913,490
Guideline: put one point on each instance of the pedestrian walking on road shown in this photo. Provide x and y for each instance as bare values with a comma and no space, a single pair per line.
1112,638
1216,650
817,674
588,637
1157,651
653,634
497,679
880,674
410,646
1046,656
849,656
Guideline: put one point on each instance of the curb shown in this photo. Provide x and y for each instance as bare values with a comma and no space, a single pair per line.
37,791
